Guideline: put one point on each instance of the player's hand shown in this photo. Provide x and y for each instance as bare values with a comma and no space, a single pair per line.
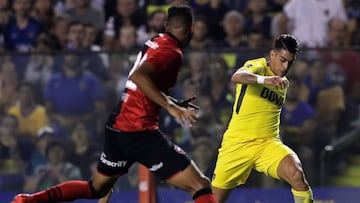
186,116
276,81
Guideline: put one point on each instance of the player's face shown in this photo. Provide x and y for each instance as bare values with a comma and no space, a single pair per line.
280,61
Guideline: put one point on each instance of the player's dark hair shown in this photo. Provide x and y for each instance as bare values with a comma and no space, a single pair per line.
287,42
181,14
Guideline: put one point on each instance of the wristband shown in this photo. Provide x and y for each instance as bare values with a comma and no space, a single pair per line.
260,79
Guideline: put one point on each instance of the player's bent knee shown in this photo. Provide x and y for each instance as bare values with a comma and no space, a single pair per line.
97,193
297,179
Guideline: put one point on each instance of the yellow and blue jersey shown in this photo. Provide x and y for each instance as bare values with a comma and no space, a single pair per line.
257,107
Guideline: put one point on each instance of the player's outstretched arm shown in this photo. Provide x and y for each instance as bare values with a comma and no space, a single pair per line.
142,77
246,77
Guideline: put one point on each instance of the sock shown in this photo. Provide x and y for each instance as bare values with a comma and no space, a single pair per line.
303,196
64,192
204,196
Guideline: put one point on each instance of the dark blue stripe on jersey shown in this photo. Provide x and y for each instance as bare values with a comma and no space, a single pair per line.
241,97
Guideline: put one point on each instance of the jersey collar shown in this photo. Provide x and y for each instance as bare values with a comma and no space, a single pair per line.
176,39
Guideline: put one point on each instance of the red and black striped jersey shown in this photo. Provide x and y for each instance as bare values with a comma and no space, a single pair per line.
136,112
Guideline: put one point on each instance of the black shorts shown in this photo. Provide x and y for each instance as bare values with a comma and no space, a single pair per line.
149,148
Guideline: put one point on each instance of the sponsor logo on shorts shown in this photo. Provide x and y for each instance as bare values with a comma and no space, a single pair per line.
111,163
156,167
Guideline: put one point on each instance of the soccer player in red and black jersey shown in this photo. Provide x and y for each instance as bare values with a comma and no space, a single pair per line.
132,132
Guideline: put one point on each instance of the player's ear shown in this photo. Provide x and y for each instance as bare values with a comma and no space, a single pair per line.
272,53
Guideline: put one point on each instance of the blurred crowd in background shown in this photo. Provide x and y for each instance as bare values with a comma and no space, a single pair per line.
64,65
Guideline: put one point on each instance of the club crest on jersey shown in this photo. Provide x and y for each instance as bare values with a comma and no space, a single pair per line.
179,150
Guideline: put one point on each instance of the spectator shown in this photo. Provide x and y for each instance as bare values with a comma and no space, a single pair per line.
346,63
73,95
256,39
58,32
30,114
310,29
155,24
85,13
352,9
354,27
14,153
294,115
74,35
317,80
257,17
5,13
214,11
21,30
14,148
239,5
256,43
93,61
127,13
20,33
63,5
38,157
44,13
56,170
89,38
83,149
347,60
197,69
127,40
300,68
120,65
234,30
208,120
204,154
171,126
218,90
278,14
200,39
9,82
327,98
41,63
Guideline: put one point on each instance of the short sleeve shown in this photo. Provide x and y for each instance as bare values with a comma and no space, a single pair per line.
163,58
254,67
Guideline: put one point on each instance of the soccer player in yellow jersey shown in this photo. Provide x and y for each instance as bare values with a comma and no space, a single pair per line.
251,140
